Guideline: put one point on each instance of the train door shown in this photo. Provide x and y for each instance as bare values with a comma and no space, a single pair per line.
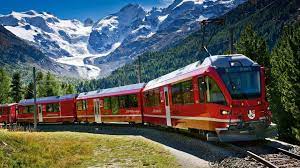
167,106
40,109
97,111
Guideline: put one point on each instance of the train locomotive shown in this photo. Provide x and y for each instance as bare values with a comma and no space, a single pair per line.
223,98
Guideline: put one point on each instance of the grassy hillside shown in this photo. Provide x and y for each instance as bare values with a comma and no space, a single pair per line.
268,17
65,149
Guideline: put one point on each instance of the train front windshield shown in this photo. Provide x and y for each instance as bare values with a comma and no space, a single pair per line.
242,82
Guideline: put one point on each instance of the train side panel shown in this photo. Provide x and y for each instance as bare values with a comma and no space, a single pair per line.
118,113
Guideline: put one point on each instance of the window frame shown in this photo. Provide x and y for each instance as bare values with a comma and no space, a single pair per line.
180,94
105,107
130,103
202,93
54,106
152,98
207,91
26,109
83,104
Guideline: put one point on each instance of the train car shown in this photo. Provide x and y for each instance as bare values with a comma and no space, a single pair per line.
223,98
119,104
8,113
53,109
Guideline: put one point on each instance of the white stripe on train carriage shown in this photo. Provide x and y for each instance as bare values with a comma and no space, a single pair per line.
24,118
194,118
221,129
60,117
205,119
262,118
81,116
48,117
156,116
129,115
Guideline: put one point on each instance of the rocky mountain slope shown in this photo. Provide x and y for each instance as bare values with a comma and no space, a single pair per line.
17,54
96,49
267,17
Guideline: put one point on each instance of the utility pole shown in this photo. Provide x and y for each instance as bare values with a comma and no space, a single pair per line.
139,70
231,40
34,93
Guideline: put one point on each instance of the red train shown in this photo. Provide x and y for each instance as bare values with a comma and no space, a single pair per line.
8,113
223,98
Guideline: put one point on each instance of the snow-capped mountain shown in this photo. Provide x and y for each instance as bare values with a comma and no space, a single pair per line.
65,41
152,30
99,48
59,38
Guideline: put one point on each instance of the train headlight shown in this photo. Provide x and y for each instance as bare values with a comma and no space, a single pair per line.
224,112
268,108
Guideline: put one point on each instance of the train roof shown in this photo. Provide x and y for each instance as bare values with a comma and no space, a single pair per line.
196,68
50,99
121,90
7,105
67,97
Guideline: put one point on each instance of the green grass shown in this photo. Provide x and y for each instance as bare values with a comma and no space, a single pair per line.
66,149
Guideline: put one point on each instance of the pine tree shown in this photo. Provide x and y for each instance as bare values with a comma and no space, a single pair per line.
29,91
253,46
41,92
16,91
285,86
70,89
51,86
4,85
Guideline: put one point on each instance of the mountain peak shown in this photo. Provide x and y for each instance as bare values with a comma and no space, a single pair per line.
88,22
131,6
31,12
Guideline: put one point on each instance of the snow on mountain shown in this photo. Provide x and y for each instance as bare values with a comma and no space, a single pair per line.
158,29
59,39
98,48
116,27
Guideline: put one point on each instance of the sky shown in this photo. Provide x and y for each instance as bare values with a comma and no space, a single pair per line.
76,9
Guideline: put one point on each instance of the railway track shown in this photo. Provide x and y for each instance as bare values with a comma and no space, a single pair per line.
270,156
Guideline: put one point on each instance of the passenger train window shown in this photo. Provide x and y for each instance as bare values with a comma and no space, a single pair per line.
176,94
1,110
107,103
82,105
50,108
128,101
182,93
79,105
187,92
122,101
152,98
85,105
201,89
213,92
131,101
28,109
115,105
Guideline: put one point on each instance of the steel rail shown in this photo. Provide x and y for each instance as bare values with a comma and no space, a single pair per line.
261,160
254,156
286,152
